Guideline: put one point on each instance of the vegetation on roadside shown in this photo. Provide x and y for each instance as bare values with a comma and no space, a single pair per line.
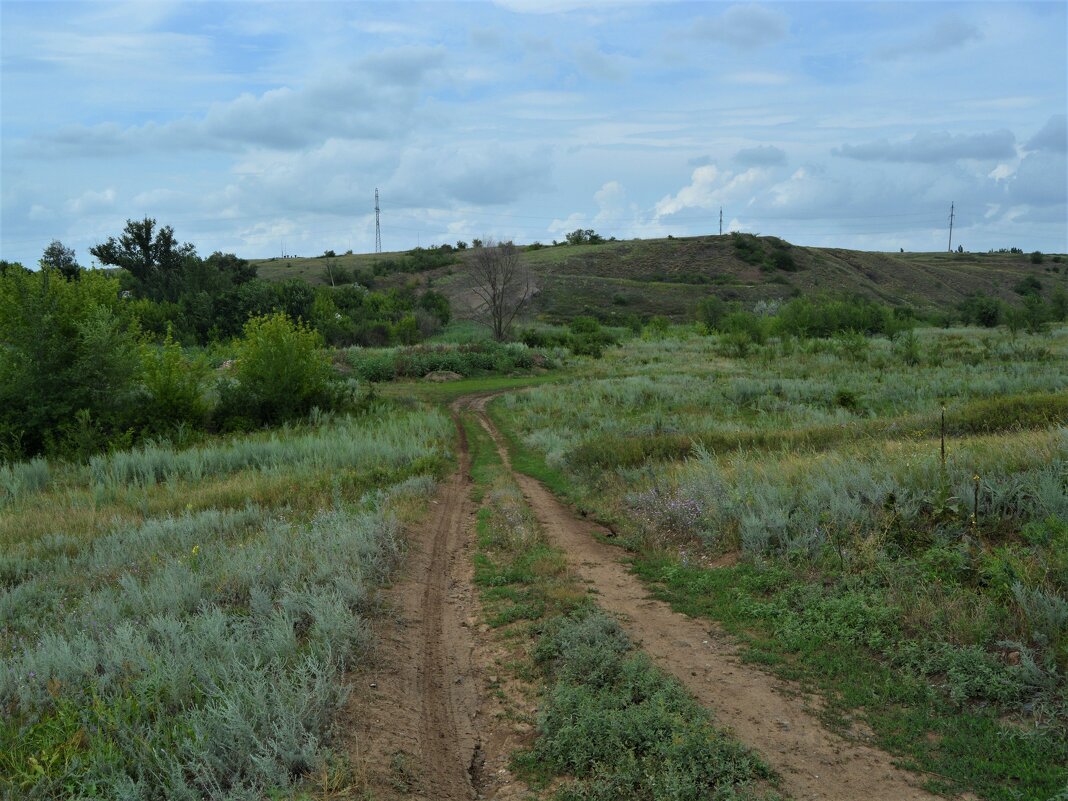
798,494
609,722
466,359
177,622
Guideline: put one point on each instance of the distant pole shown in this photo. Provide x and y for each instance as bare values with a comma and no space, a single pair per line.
951,227
378,225
721,221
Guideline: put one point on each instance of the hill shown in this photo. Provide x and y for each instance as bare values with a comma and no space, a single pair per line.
670,276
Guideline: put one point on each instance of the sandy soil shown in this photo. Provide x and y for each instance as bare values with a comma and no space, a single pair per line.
427,718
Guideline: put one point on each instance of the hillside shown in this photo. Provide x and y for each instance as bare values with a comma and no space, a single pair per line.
669,276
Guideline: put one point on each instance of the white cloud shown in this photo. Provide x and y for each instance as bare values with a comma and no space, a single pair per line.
709,188
39,213
573,221
91,202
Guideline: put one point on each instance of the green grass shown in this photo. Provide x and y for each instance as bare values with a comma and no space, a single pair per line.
961,746
856,568
179,623
623,729
669,276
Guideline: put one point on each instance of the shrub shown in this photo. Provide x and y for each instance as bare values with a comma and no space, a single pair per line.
585,325
979,309
746,324
711,311
466,359
281,369
824,316
1029,285
173,385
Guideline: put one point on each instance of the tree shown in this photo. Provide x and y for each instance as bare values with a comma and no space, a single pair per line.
68,359
502,284
584,236
153,257
62,259
11,267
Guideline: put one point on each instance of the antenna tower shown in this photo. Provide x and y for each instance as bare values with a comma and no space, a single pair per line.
378,225
951,227
721,221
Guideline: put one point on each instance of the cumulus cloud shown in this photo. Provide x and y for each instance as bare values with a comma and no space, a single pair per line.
1053,137
948,33
91,202
760,156
611,200
709,187
743,26
934,147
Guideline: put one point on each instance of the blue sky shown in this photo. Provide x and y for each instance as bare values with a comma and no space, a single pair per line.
250,127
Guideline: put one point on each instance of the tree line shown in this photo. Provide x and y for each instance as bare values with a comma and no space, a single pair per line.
101,358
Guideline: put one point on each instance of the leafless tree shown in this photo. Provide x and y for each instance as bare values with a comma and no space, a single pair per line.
501,283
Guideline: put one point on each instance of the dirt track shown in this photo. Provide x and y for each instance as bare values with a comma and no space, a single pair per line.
413,717
416,720
761,711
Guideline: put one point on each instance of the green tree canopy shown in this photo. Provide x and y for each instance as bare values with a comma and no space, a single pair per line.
62,259
151,255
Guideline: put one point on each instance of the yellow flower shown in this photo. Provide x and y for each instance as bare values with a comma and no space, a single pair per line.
196,550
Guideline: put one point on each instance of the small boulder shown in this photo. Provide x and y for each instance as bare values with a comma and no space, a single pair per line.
440,376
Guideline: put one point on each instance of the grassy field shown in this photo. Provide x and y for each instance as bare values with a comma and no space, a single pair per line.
669,276
176,623
799,496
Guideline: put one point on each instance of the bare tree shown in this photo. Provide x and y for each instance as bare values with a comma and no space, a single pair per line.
502,284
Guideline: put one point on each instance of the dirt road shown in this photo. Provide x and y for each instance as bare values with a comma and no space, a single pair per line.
418,719
761,711
413,719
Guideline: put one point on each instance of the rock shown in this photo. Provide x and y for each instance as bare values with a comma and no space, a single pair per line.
439,376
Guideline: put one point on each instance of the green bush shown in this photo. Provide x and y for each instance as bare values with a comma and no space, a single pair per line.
282,370
174,387
711,311
66,347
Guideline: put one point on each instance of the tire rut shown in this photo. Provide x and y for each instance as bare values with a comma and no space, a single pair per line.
763,712
412,724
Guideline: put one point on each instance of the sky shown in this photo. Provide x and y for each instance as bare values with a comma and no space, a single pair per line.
263,128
